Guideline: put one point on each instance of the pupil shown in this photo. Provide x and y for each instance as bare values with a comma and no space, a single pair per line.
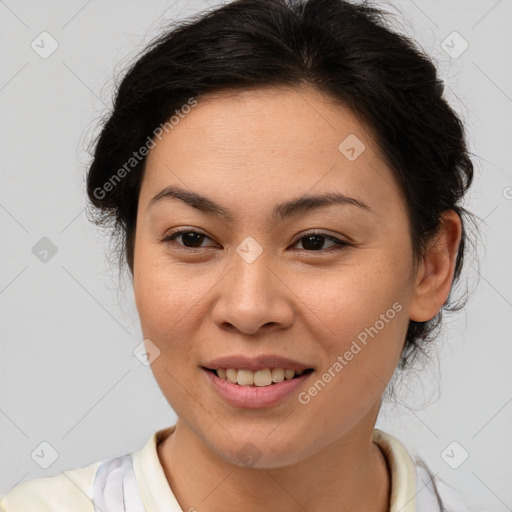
314,245
192,238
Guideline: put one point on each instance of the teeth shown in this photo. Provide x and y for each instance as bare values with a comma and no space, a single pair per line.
262,377
230,375
277,375
245,378
289,374
258,378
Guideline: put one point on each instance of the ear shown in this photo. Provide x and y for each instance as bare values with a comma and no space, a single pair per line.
435,272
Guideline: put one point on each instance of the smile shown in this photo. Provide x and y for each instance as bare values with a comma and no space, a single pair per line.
259,378
246,389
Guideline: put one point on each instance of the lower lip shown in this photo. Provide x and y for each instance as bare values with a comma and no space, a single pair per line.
253,397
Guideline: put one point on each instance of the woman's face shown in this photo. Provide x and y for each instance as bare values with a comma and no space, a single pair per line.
264,278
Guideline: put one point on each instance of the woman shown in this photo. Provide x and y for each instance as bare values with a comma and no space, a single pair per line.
285,179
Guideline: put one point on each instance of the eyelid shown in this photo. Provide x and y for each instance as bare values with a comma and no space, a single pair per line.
318,231
167,237
338,241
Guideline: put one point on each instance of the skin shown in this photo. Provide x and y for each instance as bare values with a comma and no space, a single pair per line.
249,151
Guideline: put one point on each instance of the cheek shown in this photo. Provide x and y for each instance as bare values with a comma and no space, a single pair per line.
169,300
167,303
364,318
350,300
360,322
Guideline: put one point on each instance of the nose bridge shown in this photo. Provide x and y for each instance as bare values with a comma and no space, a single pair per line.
252,274
252,295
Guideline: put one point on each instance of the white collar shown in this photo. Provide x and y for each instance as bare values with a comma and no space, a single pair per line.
157,495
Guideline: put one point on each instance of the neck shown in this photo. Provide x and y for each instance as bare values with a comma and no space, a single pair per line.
348,475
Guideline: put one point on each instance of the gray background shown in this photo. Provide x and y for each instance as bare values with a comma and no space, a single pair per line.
68,375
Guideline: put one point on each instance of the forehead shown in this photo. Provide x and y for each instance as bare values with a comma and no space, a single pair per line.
274,118
275,141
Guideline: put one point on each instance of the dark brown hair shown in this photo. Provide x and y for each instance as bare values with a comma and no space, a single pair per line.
345,51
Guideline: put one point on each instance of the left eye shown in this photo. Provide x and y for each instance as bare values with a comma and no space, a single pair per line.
310,241
316,240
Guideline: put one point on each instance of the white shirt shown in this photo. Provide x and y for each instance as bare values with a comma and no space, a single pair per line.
136,482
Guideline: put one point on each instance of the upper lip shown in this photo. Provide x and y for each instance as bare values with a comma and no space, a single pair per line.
255,363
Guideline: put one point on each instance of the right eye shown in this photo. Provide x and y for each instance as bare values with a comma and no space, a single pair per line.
194,238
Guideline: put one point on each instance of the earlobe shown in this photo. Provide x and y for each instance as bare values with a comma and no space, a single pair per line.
435,273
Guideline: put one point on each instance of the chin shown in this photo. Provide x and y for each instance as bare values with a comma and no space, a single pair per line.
259,449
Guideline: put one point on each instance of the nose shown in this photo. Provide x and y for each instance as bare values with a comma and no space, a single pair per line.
254,297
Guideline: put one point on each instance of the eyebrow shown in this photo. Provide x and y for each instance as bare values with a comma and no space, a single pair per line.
281,211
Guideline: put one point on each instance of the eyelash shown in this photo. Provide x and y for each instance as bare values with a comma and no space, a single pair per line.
339,244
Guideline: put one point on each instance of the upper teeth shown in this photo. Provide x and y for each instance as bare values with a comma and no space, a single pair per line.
258,378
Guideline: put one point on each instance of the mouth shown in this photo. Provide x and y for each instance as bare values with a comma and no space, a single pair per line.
264,377
256,389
